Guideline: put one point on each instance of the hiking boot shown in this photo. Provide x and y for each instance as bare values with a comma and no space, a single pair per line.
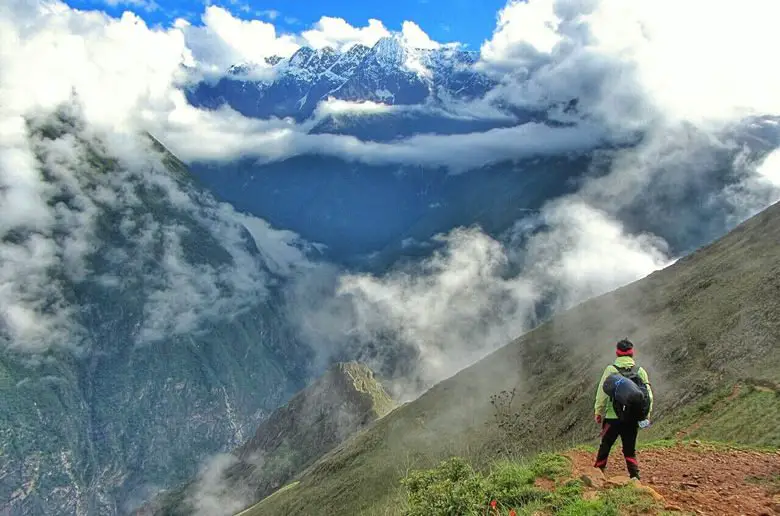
633,467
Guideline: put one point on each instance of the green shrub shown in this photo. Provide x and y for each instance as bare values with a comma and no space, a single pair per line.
454,488
451,489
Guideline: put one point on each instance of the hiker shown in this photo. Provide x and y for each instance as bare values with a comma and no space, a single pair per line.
617,419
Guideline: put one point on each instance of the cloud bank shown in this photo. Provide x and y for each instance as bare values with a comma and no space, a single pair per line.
129,76
628,65
421,324
631,63
631,66
88,211
653,69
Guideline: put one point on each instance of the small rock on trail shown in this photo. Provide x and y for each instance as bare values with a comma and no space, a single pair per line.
696,479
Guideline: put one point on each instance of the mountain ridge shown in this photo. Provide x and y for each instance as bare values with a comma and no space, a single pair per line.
390,72
706,322
130,394
344,400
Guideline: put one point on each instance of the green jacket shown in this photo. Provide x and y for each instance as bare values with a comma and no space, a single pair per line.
602,400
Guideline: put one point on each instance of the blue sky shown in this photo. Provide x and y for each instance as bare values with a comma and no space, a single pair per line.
467,21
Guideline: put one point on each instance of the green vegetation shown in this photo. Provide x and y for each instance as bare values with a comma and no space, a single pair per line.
741,413
703,325
453,488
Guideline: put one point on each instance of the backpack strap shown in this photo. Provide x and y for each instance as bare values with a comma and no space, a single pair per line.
621,370
642,370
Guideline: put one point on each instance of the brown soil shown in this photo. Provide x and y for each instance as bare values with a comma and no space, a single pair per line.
699,480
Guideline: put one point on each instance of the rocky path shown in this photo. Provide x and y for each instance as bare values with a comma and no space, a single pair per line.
697,479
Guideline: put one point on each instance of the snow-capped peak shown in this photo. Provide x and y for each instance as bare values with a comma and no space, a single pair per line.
301,57
389,50
393,71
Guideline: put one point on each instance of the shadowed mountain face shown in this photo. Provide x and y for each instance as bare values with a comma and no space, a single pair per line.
156,336
345,400
703,324
370,215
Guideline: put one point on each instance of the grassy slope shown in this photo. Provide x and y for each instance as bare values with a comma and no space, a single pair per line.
705,323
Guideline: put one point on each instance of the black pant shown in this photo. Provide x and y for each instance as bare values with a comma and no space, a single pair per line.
611,429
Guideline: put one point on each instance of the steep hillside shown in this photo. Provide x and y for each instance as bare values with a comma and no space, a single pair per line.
346,399
153,339
703,325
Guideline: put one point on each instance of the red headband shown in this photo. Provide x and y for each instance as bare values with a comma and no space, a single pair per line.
626,353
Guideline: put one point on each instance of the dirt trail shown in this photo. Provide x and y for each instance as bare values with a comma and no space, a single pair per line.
700,480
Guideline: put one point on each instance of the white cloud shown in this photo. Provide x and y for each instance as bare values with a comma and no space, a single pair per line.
225,134
769,169
525,31
632,62
333,106
284,251
758,188
415,37
452,108
587,252
464,301
340,35
271,14
215,495
224,40
116,66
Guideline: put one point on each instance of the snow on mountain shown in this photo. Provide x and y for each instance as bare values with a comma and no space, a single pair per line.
390,72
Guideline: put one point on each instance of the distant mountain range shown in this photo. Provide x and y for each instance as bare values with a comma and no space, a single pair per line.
369,215
390,72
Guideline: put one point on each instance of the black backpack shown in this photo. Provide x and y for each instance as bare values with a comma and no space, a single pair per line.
639,406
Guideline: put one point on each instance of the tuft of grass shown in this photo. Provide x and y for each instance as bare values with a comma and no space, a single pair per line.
551,466
612,502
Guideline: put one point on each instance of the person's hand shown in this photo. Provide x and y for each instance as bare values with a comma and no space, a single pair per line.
597,418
